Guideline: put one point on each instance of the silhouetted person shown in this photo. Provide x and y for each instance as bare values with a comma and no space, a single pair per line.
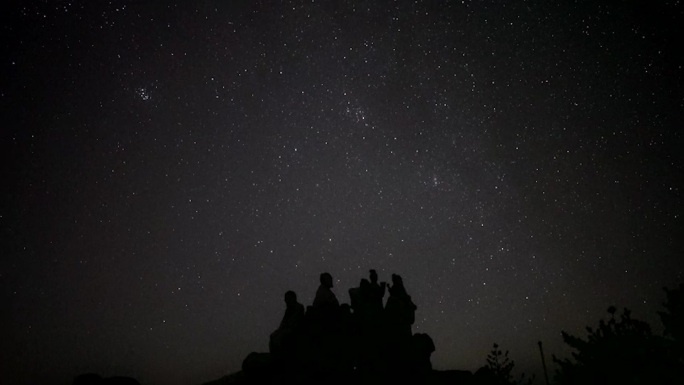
324,324
359,297
375,292
294,312
367,342
325,298
373,321
400,311
283,338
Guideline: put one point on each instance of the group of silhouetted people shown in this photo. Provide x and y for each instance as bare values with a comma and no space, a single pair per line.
366,341
365,337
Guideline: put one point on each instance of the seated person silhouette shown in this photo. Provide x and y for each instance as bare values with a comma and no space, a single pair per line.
282,339
325,298
324,325
323,315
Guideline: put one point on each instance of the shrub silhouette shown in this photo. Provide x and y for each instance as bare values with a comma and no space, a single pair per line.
673,320
621,350
673,316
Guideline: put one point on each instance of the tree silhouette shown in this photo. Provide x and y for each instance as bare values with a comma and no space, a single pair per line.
498,370
499,364
622,350
673,320
673,317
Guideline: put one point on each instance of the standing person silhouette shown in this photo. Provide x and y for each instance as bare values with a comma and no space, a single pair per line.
376,292
400,310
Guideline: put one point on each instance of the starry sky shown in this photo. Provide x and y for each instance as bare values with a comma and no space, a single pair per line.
170,169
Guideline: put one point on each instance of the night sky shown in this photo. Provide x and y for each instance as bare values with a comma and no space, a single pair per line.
170,170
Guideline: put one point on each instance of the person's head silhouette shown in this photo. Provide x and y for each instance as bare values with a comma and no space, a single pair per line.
326,280
290,298
373,276
397,281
